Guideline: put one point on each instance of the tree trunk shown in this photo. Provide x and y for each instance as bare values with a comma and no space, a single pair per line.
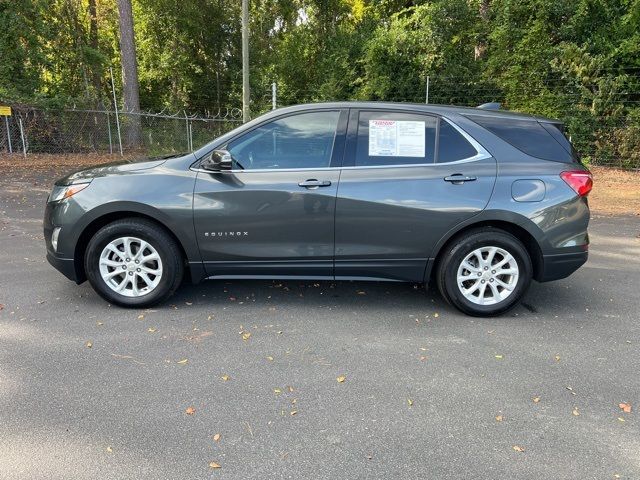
93,43
481,45
129,74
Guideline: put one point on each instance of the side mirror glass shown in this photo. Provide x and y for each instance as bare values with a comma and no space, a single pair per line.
217,161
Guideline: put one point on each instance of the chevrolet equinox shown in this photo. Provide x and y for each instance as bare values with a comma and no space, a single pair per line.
478,201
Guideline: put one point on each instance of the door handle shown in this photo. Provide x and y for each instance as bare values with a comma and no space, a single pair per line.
313,183
459,179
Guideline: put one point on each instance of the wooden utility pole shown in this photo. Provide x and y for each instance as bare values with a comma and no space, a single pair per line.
129,72
246,115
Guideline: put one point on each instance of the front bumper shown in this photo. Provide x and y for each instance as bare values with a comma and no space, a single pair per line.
555,267
66,266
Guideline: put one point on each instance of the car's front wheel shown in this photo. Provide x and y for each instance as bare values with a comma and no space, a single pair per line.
133,263
485,272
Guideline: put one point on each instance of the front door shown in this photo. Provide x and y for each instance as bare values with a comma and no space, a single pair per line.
407,179
273,214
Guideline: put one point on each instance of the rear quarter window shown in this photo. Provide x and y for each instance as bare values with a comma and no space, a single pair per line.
530,137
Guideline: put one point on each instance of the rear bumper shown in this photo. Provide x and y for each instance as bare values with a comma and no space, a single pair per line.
63,265
561,265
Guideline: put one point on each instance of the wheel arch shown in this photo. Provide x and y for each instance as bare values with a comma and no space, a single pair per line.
99,221
521,228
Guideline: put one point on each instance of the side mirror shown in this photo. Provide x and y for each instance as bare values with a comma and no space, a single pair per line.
217,161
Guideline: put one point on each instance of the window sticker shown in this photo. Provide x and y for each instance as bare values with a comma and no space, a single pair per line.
391,138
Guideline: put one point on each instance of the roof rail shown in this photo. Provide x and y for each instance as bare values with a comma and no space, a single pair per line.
490,106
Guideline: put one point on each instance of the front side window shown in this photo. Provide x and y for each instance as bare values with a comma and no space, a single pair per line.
297,141
392,138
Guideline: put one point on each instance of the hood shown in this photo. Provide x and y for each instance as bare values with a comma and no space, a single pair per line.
115,168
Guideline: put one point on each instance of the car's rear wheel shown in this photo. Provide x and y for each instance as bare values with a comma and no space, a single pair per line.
133,263
485,272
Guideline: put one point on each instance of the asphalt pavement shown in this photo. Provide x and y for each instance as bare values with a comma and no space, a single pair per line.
305,380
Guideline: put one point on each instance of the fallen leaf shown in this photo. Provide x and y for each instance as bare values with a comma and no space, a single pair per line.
246,335
499,357
536,399
341,379
423,358
190,411
214,465
557,358
290,388
109,449
183,361
410,402
277,391
575,412
216,437
499,418
225,377
518,448
436,315
626,407
571,390
140,317
89,344
99,324
270,358
621,419
293,412
151,329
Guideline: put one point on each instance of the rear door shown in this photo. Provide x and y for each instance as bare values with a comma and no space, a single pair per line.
273,214
407,179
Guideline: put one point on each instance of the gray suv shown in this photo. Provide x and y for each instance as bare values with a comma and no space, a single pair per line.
479,201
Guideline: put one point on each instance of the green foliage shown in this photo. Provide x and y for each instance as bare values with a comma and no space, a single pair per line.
577,60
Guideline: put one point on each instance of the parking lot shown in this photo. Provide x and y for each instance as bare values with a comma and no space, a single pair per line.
314,380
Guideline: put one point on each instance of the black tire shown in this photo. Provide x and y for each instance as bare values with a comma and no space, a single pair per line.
453,255
167,248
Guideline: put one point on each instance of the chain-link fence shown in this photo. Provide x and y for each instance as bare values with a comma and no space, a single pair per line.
604,131
31,130
602,121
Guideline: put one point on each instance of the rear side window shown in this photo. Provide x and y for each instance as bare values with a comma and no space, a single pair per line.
452,145
528,136
395,138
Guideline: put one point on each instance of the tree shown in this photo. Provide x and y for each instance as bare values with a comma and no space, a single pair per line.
129,62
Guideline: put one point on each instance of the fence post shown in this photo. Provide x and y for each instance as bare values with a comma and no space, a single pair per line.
6,122
191,136
115,106
274,91
427,99
24,143
186,119
109,130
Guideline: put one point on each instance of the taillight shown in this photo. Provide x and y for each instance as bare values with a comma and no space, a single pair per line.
581,181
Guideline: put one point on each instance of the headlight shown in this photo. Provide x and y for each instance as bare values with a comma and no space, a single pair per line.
60,192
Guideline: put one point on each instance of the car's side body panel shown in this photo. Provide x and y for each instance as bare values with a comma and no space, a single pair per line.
264,223
163,193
